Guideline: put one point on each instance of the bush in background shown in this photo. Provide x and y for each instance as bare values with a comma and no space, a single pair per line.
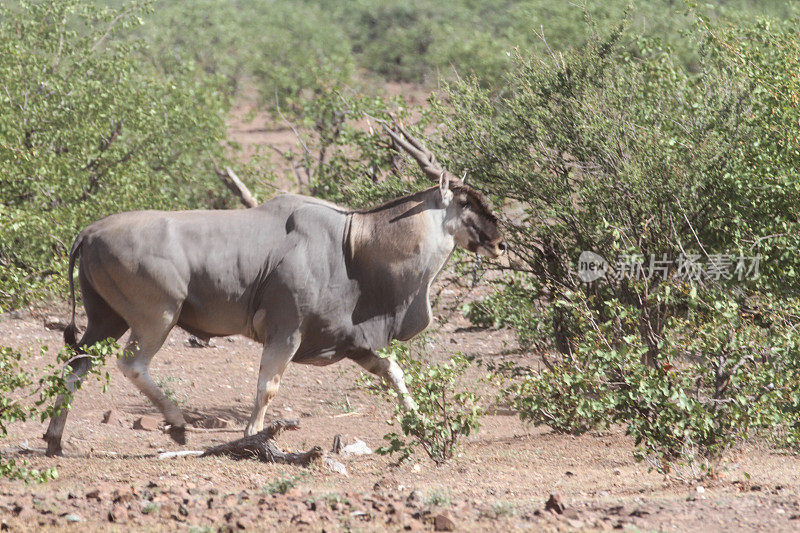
88,129
280,48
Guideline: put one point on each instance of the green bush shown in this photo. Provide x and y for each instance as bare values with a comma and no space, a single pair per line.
88,129
280,47
723,376
23,395
445,413
426,40
512,304
635,157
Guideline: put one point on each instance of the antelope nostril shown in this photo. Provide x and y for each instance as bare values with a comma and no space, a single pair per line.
502,247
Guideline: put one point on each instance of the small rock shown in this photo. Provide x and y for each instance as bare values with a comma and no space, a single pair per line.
554,504
98,493
617,472
443,522
359,447
146,423
335,466
72,517
22,510
245,523
414,498
700,489
124,495
304,518
112,416
196,342
55,323
210,422
118,513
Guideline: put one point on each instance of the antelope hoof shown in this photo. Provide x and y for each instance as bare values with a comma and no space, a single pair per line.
178,434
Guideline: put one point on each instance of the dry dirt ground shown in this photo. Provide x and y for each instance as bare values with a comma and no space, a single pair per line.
112,479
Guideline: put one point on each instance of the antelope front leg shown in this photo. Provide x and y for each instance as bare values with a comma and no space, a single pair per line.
274,360
391,373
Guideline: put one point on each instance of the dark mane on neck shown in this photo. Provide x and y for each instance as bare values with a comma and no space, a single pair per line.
478,200
414,196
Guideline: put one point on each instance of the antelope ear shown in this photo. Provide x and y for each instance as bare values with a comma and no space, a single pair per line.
444,189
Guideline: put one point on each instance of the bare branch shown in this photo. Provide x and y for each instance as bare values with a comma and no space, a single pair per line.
261,446
109,29
235,185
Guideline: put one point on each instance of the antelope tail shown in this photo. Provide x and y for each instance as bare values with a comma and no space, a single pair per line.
71,330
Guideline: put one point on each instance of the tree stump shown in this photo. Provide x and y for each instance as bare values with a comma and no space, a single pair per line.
262,446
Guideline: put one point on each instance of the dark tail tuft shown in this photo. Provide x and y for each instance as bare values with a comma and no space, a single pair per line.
70,338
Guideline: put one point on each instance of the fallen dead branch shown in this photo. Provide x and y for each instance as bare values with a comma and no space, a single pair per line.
191,429
351,413
235,185
261,446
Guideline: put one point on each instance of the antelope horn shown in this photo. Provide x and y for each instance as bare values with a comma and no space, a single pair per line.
424,157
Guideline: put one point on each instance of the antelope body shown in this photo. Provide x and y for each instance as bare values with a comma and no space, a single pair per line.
313,282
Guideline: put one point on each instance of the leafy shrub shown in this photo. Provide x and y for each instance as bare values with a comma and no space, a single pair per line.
632,156
24,396
729,374
512,304
280,47
424,41
445,413
345,160
88,129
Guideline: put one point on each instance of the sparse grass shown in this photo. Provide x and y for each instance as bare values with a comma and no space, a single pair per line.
438,497
281,485
345,406
164,384
150,507
501,509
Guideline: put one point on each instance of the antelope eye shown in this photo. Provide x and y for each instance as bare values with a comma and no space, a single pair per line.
463,203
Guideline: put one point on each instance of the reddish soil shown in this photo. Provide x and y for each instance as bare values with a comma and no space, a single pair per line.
112,479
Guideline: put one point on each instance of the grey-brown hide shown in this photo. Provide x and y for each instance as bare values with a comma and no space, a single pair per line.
311,281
